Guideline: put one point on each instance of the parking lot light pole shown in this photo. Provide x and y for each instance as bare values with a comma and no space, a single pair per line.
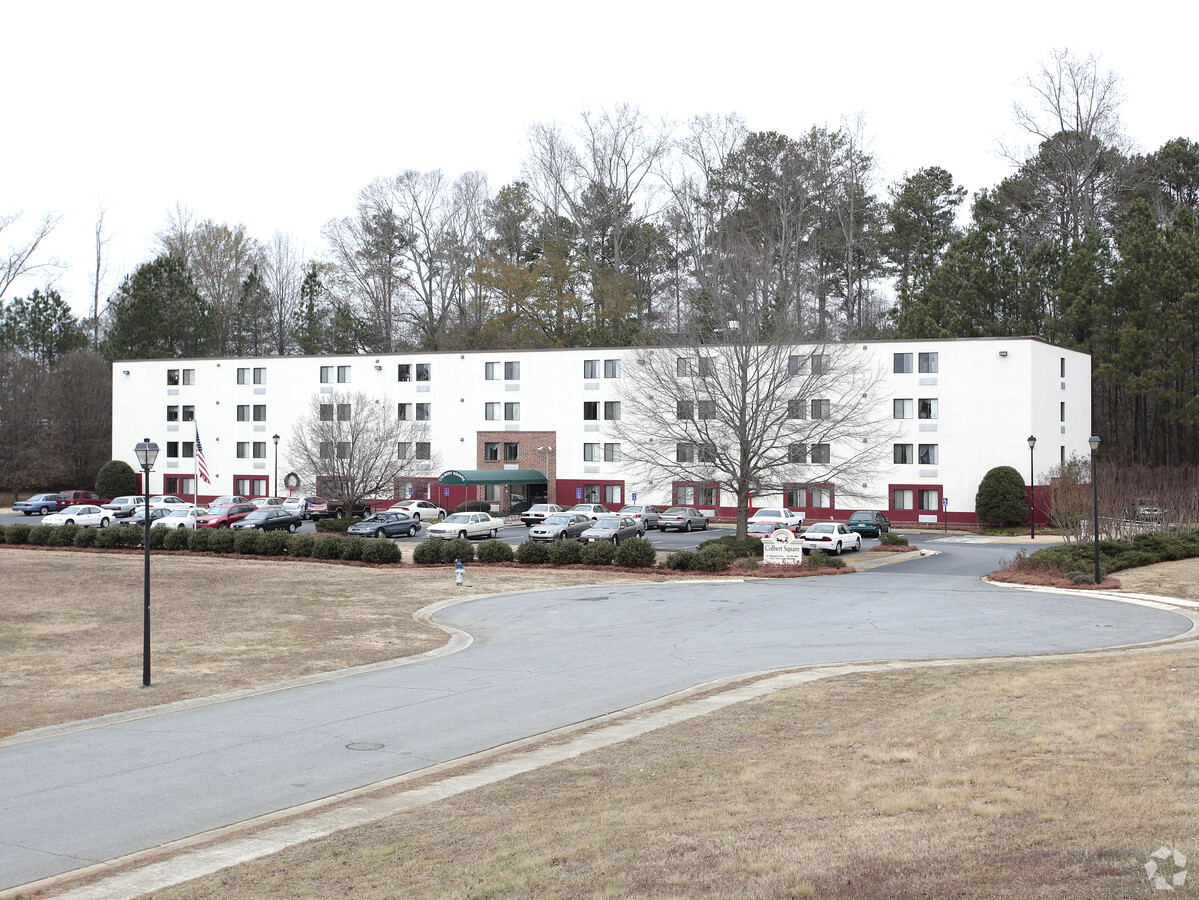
1032,488
146,452
1093,440
275,483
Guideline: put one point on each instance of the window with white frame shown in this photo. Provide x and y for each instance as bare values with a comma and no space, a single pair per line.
684,366
260,449
491,451
797,409
173,413
930,500
511,451
491,371
706,453
821,453
819,364
797,365
903,409
491,411
707,409
189,376
928,408
821,409
796,497
326,449
243,412
343,374
172,377
404,411
797,453
611,452
260,375
424,412
424,450
512,371
590,410
707,367
591,368
189,413
343,449
404,372
821,497
611,368
611,409
404,449
259,412
424,371
243,449
684,453
172,449
683,409
343,412
326,374
326,412
243,376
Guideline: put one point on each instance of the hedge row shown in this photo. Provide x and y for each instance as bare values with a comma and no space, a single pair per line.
1142,550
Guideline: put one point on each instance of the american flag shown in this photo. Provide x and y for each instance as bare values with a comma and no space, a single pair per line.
201,463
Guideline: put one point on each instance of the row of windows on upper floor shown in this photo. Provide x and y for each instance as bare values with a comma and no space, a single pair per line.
902,363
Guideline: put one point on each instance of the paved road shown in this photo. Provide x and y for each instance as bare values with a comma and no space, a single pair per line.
539,661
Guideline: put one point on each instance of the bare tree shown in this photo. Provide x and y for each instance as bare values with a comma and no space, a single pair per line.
353,446
103,238
221,259
20,259
282,272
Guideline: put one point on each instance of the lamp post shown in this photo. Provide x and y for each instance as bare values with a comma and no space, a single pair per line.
275,483
1032,488
146,452
1093,440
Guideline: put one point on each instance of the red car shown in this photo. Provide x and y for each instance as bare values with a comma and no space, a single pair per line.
72,498
224,516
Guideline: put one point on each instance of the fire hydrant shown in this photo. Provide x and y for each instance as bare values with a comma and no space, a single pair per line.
459,572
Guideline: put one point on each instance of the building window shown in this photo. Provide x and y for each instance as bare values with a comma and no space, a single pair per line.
696,495
172,377
928,454
172,413
591,368
1063,413
612,494
491,411
706,453
259,412
179,484
822,498
611,452
260,376
611,368
491,451
930,500
343,412
612,409
928,408
172,449
1063,366
491,371
797,453
707,368
511,451
260,449
343,374
326,450
243,449
684,453
819,364
404,449
512,412
902,498
902,364
404,411
189,414
590,410
683,409
404,372
327,412
422,371
243,412
326,374
707,409
512,371
903,454
821,453
423,412
243,376
591,453
797,365
928,363
903,409
343,449
492,492
821,409
797,498
189,376
796,409
684,366
423,450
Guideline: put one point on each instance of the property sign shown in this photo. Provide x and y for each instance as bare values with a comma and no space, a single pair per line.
782,549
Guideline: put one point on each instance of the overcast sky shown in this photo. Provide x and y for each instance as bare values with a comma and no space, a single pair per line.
275,114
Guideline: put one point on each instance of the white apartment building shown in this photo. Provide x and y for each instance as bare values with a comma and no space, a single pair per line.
495,422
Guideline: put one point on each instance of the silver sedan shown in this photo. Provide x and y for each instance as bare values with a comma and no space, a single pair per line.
684,518
560,526
612,528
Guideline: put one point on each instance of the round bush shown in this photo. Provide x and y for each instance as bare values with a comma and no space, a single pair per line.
681,561
892,539
493,551
352,547
115,479
336,526
565,553
86,537
381,550
158,537
713,559
599,553
274,543
246,540
17,533
63,535
635,553
1001,497
107,538
40,534
428,552
747,546
458,548
199,540
532,553
222,540
3,528
176,539
327,547
301,544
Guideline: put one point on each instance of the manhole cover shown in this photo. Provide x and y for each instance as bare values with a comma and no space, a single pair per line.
364,745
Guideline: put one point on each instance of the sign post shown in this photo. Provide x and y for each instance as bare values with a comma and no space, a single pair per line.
945,509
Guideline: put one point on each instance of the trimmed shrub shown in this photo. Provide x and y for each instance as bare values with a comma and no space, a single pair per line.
427,552
565,552
748,563
458,548
746,546
327,547
40,534
818,559
473,506
598,553
17,533
1001,497
176,539
713,559
3,528
274,543
108,538
532,553
222,540
336,526
199,540
63,535
158,537
86,537
301,544
892,539
352,547
681,561
115,479
246,540
493,551
635,553
381,551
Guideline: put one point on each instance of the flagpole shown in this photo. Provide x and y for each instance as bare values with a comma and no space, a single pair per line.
196,468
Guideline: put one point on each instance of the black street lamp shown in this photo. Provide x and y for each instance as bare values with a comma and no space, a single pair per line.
146,452
1032,488
275,483
1093,440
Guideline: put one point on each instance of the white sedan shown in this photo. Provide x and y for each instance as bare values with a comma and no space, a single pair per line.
180,518
791,519
421,510
86,515
831,537
466,525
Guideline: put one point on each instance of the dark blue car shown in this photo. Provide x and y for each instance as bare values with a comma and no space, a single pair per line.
386,524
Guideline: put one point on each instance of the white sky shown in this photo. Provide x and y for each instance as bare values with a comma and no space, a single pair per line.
275,114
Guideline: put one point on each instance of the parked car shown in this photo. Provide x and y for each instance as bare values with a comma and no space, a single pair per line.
536,513
314,508
788,517
831,537
295,506
645,516
386,524
869,522
611,528
267,520
227,500
76,498
264,502
86,514
123,507
467,525
169,500
591,510
763,530
138,516
180,517
337,509
421,510
684,518
560,526
38,503
225,515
